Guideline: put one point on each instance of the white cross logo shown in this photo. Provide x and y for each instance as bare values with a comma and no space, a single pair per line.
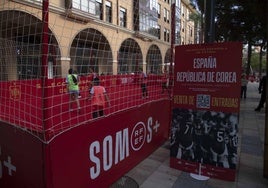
157,125
9,165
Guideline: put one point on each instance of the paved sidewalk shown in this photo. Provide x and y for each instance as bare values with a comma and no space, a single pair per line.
154,171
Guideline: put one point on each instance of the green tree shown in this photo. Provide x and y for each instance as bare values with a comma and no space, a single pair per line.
256,64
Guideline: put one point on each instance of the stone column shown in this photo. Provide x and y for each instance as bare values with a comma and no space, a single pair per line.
64,63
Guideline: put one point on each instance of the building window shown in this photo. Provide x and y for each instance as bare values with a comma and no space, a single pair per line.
108,11
182,40
159,11
167,15
123,17
165,34
177,37
146,17
190,31
168,35
159,31
85,5
99,9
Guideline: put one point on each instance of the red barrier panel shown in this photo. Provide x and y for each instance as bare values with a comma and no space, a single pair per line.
94,154
21,158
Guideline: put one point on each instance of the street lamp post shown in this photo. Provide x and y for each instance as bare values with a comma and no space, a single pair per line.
209,21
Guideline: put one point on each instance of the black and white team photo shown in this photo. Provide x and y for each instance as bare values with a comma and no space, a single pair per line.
206,137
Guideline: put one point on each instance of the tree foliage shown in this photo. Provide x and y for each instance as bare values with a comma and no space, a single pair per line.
239,20
255,63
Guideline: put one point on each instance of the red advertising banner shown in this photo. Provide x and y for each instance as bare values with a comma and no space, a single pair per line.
95,154
205,109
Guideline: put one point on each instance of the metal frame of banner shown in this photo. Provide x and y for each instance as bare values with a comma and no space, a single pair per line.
199,176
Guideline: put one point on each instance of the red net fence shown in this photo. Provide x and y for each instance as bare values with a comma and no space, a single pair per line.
22,102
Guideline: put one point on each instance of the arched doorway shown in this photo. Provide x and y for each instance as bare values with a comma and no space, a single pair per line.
154,60
167,60
129,57
90,49
21,41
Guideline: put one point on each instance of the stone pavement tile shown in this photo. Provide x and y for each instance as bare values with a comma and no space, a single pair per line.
260,115
165,168
159,179
252,145
250,131
138,174
252,139
251,177
250,185
238,151
251,161
167,160
250,123
143,170
252,149
216,183
261,120
149,164
262,137
186,181
160,154
261,126
166,145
